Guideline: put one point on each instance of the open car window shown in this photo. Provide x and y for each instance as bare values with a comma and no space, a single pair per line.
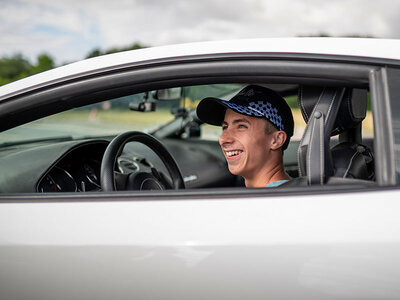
114,116
69,146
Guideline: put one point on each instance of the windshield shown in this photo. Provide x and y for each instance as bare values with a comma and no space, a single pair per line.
115,116
170,113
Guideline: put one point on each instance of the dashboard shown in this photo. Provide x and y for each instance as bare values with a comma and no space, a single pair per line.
77,171
74,165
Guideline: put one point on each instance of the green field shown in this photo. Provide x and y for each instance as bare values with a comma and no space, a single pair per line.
117,116
154,119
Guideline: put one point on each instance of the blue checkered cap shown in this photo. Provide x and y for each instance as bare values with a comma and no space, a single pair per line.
259,109
254,101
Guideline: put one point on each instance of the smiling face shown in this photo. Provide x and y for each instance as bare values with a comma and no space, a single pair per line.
248,148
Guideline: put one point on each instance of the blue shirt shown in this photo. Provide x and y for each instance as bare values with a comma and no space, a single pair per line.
276,183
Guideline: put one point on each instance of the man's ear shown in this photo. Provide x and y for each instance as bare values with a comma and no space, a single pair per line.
278,139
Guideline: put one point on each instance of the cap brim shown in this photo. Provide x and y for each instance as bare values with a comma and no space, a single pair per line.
211,110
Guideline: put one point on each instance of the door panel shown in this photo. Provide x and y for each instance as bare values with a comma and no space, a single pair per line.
315,246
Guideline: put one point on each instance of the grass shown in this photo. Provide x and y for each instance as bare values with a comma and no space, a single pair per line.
151,119
116,116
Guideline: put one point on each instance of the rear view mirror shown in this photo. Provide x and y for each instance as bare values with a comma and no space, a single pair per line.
143,106
168,94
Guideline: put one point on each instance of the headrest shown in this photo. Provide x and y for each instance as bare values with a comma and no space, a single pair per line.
352,110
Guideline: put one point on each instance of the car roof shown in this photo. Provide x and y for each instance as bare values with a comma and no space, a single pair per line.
354,47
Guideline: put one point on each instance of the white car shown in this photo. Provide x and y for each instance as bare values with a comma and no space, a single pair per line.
85,213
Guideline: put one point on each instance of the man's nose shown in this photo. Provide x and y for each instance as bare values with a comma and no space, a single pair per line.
226,137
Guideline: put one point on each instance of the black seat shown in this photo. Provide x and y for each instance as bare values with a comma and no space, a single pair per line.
331,111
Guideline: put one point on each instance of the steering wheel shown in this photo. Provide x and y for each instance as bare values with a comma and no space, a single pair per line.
138,180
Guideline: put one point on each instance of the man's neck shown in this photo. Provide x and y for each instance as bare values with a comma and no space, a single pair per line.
265,177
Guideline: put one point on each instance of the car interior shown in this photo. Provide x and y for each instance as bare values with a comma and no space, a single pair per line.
329,150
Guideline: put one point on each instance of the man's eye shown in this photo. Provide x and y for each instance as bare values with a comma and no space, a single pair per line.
242,126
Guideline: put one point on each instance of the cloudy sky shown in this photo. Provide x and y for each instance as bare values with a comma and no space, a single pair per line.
68,30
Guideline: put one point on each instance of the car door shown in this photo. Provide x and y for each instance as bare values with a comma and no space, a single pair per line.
318,242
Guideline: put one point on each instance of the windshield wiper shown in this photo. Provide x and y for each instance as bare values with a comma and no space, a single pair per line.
42,140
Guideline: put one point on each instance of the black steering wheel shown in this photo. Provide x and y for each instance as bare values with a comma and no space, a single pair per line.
139,180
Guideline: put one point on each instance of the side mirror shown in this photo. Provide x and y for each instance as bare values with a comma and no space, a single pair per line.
168,94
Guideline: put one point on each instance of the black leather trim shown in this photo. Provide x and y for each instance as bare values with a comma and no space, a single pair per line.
314,157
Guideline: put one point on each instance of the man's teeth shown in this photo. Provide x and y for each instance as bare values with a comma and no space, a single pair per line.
232,153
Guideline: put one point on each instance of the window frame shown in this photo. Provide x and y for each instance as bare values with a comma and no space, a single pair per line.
255,68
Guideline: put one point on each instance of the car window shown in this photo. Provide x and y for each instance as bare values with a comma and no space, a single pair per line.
118,115
101,119
115,116
169,115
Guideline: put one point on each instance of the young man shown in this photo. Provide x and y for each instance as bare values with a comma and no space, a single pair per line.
256,125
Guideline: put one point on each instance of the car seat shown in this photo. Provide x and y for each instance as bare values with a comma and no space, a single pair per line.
331,111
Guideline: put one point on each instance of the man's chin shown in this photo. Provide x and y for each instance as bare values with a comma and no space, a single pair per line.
234,170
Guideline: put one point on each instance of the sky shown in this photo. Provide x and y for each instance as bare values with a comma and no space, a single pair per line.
68,30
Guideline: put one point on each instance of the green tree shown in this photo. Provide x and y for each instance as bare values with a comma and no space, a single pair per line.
97,52
94,53
13,68
44,63
17,67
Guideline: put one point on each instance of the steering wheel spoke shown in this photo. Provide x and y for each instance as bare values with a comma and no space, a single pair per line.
120,180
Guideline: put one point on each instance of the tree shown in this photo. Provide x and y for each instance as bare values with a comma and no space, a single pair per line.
17,67
97,52
13,68
94,53
44,63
